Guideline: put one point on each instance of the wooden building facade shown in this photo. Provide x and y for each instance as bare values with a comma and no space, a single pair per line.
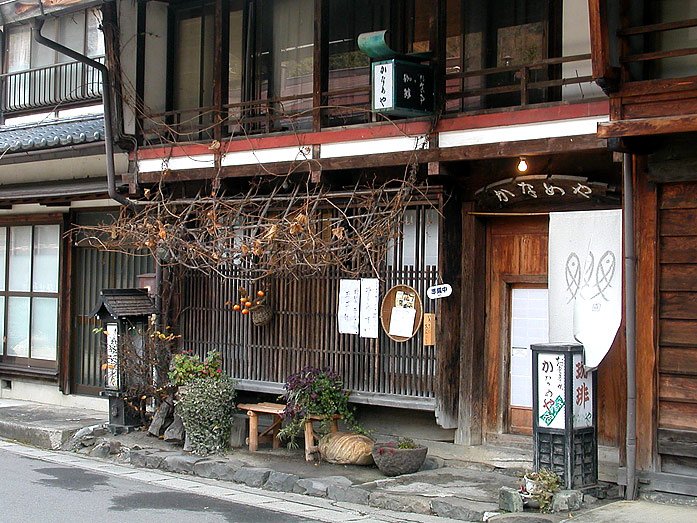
643,54
221,94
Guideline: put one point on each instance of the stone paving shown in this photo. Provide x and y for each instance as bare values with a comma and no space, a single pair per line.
457,493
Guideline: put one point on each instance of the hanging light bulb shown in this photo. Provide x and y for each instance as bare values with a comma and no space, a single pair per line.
522,165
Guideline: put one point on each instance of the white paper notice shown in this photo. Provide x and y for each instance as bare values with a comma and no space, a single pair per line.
370,302
349,304
402,322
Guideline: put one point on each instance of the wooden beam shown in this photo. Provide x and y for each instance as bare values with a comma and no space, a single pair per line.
648,126
471,376
604,74
525,147
425,156
646,227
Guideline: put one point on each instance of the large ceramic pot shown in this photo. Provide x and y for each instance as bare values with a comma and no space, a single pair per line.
393,461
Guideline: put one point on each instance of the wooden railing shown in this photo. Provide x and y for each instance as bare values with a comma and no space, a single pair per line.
651,56
51,86
520,85
514,85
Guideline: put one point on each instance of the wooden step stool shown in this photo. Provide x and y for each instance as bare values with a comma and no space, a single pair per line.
275,410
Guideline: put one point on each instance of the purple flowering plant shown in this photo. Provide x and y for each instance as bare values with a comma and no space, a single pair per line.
315,391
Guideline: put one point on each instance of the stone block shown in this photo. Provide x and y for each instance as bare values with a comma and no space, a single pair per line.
252,476
281,482
100,450
433,463
238,431
155,459
567,500
400,503
175,432
348,494
138,457
318,486
461,509
223,469
510,500
180,463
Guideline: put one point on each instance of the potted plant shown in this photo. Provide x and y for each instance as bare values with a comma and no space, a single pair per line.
318,392
403,456
538,488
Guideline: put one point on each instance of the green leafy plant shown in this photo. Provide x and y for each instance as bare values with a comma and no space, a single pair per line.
406,443
187,367
541,486
207,409
319,392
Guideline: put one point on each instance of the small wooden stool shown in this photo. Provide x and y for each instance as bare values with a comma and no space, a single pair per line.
271,434
310,436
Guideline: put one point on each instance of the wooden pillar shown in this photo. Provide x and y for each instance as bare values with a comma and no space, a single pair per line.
320,70
604,74
220,63
448,314
646,238
473,312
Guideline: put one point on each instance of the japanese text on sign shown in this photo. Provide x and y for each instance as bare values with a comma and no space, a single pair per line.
383,88
583,394
550,383
439,291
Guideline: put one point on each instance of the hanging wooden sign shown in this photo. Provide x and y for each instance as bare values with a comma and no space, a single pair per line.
429,329
542,188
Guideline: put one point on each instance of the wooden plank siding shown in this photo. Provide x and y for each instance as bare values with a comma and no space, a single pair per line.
677,310
304,332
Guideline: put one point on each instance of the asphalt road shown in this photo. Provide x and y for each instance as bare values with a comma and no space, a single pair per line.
33,490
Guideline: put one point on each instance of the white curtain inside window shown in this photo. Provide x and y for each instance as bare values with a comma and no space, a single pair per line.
18,49
293,37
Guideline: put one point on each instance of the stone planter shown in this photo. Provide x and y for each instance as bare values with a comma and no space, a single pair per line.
393,461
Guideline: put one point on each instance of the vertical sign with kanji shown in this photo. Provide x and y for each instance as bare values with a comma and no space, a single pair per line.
583,394
112,356
402,88
383,86
551,390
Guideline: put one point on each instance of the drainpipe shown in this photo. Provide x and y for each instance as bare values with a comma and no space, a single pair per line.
106,101
630,323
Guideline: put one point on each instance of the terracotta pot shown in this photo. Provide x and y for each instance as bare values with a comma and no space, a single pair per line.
393,461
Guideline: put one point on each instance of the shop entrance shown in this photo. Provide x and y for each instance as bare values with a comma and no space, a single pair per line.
516,318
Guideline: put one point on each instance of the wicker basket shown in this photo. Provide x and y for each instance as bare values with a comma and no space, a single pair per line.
261,314
386,311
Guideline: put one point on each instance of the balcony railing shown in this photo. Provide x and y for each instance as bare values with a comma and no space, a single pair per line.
562,79
50,87
656,50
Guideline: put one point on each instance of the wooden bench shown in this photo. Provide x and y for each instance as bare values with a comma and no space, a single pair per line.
275,410
271,434
311,437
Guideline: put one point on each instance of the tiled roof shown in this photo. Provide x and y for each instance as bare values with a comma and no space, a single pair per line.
54,133
122,303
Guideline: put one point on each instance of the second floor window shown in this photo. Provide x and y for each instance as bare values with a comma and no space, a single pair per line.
38,77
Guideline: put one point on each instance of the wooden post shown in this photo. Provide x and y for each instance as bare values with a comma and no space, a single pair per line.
473,310
448,314
253,431
604,74
646,238
320,71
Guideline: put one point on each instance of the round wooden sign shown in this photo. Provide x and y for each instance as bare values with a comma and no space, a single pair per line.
401,313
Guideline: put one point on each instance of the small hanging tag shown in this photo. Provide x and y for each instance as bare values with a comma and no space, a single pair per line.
429,329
